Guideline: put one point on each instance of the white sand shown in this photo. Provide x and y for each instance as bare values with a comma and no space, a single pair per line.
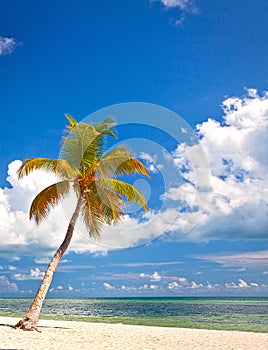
65,335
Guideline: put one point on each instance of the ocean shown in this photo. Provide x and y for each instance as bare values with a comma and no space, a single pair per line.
242,314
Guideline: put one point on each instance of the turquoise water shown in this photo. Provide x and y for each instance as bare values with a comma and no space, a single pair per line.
244,314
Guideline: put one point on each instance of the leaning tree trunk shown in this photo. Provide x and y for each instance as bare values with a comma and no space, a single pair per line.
29,322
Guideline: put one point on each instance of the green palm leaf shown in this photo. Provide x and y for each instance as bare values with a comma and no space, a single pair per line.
105,127
91,173
83,144
119,162
71,120
112,203
79,144
127,190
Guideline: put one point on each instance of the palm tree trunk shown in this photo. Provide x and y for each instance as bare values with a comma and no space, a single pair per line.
29,322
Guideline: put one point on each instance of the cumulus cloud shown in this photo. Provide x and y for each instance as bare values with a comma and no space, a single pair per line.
234,179
174,285
156,277
238,172
16,229
35,274
241,284
6,286
7,45
150,162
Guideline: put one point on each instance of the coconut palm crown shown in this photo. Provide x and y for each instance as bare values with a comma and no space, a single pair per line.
84,167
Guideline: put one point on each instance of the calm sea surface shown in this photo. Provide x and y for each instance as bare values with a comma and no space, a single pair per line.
245,314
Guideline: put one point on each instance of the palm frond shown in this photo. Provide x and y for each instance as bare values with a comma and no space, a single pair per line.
127,190
98,143
93,174
83,144
92,215
111,203
105,127
60,167
79,144
48,198
71,120
120,162
102,205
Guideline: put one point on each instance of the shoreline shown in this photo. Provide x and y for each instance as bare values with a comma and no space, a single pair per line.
69,335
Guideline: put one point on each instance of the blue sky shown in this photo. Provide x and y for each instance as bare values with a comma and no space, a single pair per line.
194,68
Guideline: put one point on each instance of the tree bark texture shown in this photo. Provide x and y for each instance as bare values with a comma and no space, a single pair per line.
29,322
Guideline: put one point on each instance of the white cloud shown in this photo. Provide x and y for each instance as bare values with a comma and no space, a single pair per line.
42,261
184,5
35,274
108,286
236,182
184,287
16,229
7,45
243,269
134,288
183,281
209,285
150,162
174,285
180,282
15,258
256,259
153,286
156,277
142,264
6,286
12,268
241,284
253,284
238,166
195,285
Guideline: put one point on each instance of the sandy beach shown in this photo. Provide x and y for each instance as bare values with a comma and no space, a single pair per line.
97,336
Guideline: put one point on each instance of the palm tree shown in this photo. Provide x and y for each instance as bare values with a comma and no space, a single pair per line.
92,174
